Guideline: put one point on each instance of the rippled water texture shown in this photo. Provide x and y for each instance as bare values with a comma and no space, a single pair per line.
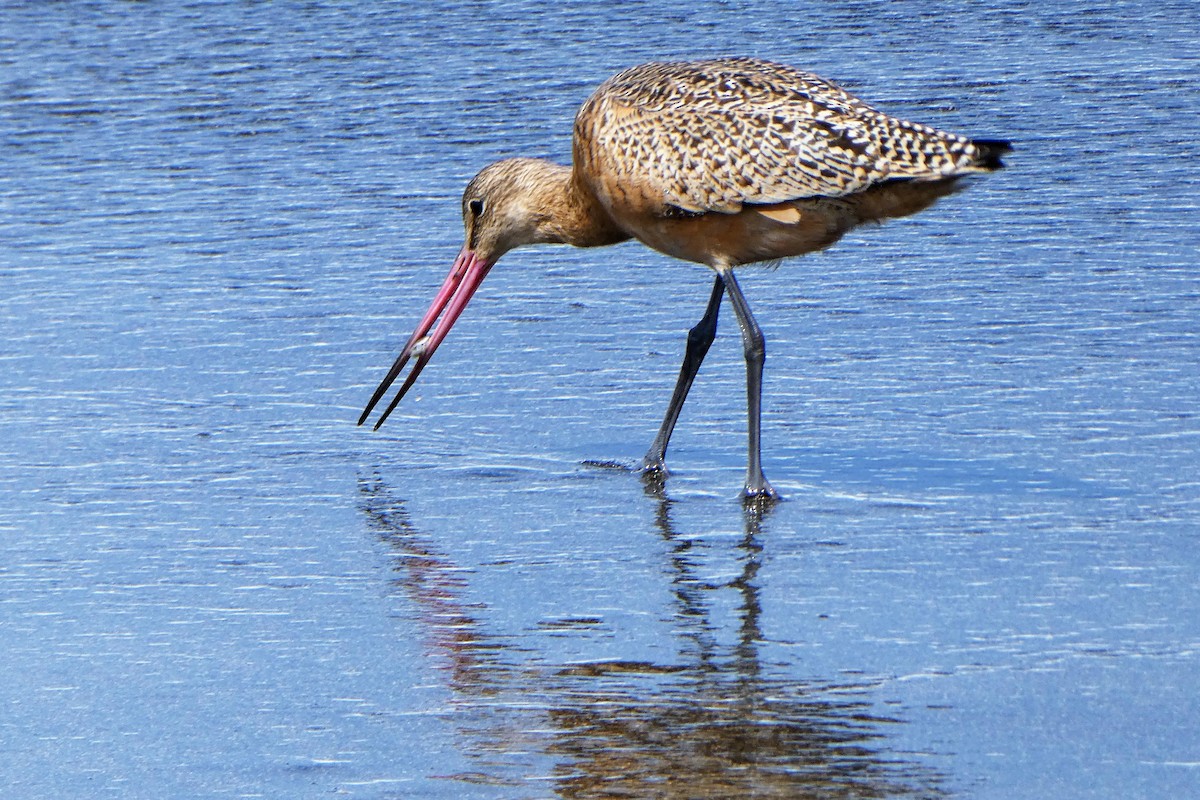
219,222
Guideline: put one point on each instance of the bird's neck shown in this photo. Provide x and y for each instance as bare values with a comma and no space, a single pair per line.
569,211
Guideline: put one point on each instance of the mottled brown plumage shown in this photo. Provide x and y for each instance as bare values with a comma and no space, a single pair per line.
721,162
715,135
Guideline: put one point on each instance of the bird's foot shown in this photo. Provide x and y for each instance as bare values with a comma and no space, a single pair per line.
759,493
603,464
653,469
652,465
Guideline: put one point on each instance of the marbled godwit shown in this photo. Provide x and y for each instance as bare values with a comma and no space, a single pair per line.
723,162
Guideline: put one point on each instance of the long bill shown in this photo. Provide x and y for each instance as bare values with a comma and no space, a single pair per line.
465,276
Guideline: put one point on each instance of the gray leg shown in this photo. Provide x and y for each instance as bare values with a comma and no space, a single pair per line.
756,353
699,339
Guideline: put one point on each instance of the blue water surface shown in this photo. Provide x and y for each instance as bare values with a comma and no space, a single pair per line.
220,220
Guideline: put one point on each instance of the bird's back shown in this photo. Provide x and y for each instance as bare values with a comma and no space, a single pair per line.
713,136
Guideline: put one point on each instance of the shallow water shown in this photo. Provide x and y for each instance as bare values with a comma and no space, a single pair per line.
220,220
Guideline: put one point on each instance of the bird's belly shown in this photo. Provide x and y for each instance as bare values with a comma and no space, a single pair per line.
756,233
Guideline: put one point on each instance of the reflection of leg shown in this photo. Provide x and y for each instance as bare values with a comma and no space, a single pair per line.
698,341
756,354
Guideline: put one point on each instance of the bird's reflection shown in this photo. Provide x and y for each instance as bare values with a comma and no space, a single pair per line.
715,725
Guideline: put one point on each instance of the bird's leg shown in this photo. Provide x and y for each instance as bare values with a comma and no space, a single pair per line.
699,339
757,487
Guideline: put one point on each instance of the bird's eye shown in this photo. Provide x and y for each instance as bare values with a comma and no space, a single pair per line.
475,206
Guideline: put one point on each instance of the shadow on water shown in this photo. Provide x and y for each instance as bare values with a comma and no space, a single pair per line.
715,725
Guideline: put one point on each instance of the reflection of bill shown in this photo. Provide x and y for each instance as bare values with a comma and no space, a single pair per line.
713,726
435,585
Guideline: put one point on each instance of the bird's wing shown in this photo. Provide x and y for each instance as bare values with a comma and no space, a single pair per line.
714,135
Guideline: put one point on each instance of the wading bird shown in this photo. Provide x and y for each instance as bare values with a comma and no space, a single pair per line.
722,162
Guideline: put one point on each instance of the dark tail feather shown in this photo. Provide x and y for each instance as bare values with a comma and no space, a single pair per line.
990,151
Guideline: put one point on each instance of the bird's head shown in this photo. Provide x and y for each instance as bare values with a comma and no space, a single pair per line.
507,205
